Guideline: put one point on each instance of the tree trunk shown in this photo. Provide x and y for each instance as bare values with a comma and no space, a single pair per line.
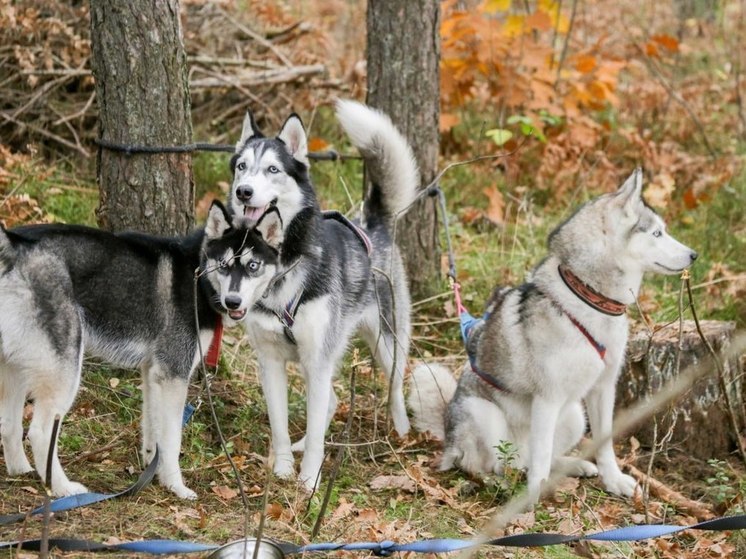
404,82
139,65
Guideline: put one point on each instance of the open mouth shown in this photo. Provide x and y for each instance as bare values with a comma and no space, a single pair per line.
253,213
238,314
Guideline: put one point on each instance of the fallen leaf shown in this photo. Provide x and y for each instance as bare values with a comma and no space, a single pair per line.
318,144
496,208
403,483
224,492
114,382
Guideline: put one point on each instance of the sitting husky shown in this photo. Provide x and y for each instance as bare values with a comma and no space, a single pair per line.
330,289
129,299
547,345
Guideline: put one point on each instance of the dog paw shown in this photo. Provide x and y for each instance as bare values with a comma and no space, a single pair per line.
182,492
575,467
298,446
69,488
284,468
19,468
620,484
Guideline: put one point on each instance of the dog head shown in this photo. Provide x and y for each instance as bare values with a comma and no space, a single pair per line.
240,261
619,231
270,172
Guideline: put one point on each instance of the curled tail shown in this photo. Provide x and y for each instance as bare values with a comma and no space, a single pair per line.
389,160
431,387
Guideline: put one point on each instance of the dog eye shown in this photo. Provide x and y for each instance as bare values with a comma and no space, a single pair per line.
253,265
657,233
272,169
241,166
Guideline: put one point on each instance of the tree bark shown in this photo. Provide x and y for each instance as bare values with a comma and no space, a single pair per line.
142,90
404,82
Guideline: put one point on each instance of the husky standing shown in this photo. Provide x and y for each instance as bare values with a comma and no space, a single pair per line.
129,299
551,343
330,289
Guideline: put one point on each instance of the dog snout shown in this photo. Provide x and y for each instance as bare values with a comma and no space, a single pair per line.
233,302
693,256
244,193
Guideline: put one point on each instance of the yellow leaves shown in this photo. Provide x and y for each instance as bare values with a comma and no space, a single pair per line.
492,6
659,190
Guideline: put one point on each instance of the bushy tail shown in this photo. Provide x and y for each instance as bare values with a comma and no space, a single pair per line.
431,387
389,159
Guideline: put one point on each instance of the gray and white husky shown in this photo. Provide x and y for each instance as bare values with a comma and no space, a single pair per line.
330,289
129,299
548,345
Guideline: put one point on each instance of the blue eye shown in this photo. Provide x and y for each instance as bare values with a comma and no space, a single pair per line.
241,166
253,265
657,233
272,169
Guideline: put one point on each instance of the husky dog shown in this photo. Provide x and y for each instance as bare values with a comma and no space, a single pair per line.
129,299
330,289
550,343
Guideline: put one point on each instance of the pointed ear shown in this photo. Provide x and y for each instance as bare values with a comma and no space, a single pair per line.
270,226
249,130
294,137
630,193
218,221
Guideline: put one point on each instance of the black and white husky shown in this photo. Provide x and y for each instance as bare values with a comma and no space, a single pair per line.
334,283
129,299
551,344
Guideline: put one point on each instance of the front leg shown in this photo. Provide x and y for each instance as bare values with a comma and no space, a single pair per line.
275,387
544,415
600,405
318,399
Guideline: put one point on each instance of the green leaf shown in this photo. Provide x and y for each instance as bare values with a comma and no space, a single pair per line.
499,135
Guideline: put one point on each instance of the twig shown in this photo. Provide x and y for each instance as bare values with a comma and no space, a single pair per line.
280,75
80,149
676,97
108,446
255,36
567,42
721,375
699,510
44,546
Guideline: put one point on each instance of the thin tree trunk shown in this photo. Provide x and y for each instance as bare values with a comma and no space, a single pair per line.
404,81
139,65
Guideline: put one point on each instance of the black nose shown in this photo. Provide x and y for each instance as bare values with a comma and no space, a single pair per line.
693,255
244,193
232,302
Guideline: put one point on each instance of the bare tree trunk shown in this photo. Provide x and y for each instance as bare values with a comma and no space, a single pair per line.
404,82
142,91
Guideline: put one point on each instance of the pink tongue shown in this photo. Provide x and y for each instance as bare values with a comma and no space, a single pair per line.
252,213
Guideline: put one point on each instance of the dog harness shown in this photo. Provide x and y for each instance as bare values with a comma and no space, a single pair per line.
287,315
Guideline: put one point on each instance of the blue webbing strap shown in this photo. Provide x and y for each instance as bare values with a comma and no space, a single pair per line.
84,499
385,548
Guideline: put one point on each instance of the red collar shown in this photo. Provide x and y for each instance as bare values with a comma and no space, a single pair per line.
590,296
213,354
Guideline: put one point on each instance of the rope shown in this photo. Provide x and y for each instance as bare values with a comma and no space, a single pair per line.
137,149
386,548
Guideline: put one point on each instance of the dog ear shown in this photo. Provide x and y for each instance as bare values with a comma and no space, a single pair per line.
293,135
629,195
249,130
218,221
270,226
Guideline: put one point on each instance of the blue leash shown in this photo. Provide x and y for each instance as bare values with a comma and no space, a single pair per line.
85,499
386,548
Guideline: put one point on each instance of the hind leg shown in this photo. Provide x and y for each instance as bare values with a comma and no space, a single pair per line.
570,430
391,355
53,394
169,395
12,399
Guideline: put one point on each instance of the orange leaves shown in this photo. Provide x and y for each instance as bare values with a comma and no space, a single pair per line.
659,43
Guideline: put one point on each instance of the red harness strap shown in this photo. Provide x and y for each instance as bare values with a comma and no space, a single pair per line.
213,354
